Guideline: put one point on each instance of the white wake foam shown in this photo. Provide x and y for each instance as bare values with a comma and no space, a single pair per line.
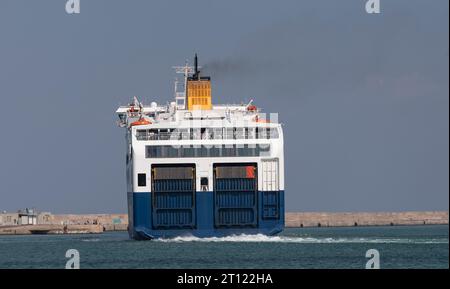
90,240
259,238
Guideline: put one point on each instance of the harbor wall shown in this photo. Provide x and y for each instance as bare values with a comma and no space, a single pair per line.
292,219
50,229
97,223
64,223
319,219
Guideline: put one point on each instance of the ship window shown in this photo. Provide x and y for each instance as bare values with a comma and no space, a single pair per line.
246,150
147,134
187,152
228,151
196,133
164,134
142,180
249,132
208,133
264,150
204,181
141,134
229,133
240,133
240,150
172,152
261,133
217,133
274,132
204,152
266,133
184,133
175,134
214,151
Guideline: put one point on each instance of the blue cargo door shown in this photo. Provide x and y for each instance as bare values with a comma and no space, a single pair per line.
235,195
173,196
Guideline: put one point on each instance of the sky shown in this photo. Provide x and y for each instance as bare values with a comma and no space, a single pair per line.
364,98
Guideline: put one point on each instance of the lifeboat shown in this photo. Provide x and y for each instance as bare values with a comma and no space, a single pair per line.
252,108
141,121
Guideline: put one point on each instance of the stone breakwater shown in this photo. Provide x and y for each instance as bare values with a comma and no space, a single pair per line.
50,229
98,223
47,223
366,219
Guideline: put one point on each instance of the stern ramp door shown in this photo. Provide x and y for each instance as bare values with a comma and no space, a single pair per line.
173,196
235,195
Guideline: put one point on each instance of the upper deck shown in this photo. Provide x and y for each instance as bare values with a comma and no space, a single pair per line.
171,117
193,115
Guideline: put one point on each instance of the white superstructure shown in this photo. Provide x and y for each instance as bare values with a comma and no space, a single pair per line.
203,136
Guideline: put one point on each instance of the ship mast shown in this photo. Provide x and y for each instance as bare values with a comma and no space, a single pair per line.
187,71
180,95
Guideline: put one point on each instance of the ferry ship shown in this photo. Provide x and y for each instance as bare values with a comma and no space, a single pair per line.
195,168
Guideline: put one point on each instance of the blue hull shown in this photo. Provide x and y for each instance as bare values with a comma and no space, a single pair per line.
203,219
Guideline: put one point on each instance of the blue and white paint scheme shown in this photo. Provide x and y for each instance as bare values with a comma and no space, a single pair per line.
204,173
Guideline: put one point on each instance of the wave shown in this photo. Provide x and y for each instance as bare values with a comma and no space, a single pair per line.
259,238
90,240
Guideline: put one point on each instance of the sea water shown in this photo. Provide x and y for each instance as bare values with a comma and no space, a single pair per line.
398,247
